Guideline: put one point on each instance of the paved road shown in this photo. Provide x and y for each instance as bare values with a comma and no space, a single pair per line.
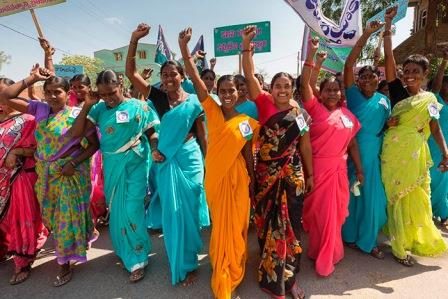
357,276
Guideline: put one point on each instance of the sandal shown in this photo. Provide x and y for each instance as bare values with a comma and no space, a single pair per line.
137,275
297,292
63,278
191,278
407,262
351,245
20,276
377,253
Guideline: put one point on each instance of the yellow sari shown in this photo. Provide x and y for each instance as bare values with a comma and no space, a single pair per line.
406,160
227,188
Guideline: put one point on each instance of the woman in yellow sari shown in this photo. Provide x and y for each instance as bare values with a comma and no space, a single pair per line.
229,176
406,158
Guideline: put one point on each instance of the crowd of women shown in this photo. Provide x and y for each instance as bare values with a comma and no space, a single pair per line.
340,161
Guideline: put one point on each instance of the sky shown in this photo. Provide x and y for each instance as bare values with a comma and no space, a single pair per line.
85,26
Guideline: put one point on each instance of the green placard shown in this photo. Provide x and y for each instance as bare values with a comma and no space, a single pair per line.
228,39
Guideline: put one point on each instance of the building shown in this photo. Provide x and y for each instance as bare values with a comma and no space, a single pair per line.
116,59
415,44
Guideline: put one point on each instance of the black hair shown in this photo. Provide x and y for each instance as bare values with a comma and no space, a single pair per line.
81,78
329,80
370,68
239,78
179,68
418,59
282,74
382,84
7,81
59,81
206,71
107,77
225,78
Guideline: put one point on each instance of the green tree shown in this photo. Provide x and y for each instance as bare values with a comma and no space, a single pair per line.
92,66
4,59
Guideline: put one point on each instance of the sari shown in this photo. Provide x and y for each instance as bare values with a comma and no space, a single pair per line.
439,180
279,199
181,175
249,108
64,200
126,162
227,188
367,211
326,207
405,172
20,218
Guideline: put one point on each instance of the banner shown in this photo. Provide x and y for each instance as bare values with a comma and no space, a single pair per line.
9,7
163,52
346,33
201,64
336,56
228,39
401,13
68,71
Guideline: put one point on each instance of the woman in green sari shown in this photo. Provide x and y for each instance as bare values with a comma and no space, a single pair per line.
406,158
125,126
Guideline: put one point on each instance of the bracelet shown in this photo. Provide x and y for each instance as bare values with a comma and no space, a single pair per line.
246,50
72,163
309,64
154,149
133,42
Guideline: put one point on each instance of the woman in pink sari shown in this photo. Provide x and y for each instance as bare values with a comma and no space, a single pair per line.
20,220
332,137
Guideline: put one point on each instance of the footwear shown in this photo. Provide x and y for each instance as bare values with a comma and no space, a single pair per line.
20,276
137,275
377,253
64,277
407,262
351,245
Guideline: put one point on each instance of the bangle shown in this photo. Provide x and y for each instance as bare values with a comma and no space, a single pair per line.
309,64
133,42
246,50
72,163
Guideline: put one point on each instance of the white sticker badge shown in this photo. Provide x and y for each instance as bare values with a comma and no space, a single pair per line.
75,112
122,117
245,129
384,103
433,111
301,122
346,121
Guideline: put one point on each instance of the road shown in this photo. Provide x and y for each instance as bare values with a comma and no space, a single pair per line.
358,276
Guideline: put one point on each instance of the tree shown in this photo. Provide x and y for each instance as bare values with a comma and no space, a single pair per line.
4,59
92,66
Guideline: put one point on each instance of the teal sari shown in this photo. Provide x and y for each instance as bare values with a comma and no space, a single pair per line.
439,180
180,187
367,212
126,161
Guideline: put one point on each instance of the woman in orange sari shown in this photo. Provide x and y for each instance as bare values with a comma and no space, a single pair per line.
229,176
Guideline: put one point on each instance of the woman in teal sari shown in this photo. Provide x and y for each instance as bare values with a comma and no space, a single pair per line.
439,180
367,209
125,126
180,176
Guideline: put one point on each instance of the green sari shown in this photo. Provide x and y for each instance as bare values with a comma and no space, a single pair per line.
406,160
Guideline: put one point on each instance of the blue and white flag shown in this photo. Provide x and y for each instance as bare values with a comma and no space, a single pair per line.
201,64
163,52
346,33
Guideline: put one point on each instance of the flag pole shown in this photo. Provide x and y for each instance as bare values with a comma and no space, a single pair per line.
240,60
36,23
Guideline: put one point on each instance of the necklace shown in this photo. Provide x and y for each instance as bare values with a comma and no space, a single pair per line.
176,102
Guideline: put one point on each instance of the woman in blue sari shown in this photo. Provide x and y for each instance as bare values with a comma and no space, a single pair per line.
439,180
125,126
367,209
181,139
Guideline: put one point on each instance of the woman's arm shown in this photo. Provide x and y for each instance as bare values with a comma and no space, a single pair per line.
48,51
8,95
69,168
353,151
32,93
131,69
307,160
248,63
212,63
438,79
391,67
82,124
305,87
201,134
190,67
320,58
437,133
249,158
350,63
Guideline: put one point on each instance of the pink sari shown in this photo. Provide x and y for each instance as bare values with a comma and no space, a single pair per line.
20,218
326,208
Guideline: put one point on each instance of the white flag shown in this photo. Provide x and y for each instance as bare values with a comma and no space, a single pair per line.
346,33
